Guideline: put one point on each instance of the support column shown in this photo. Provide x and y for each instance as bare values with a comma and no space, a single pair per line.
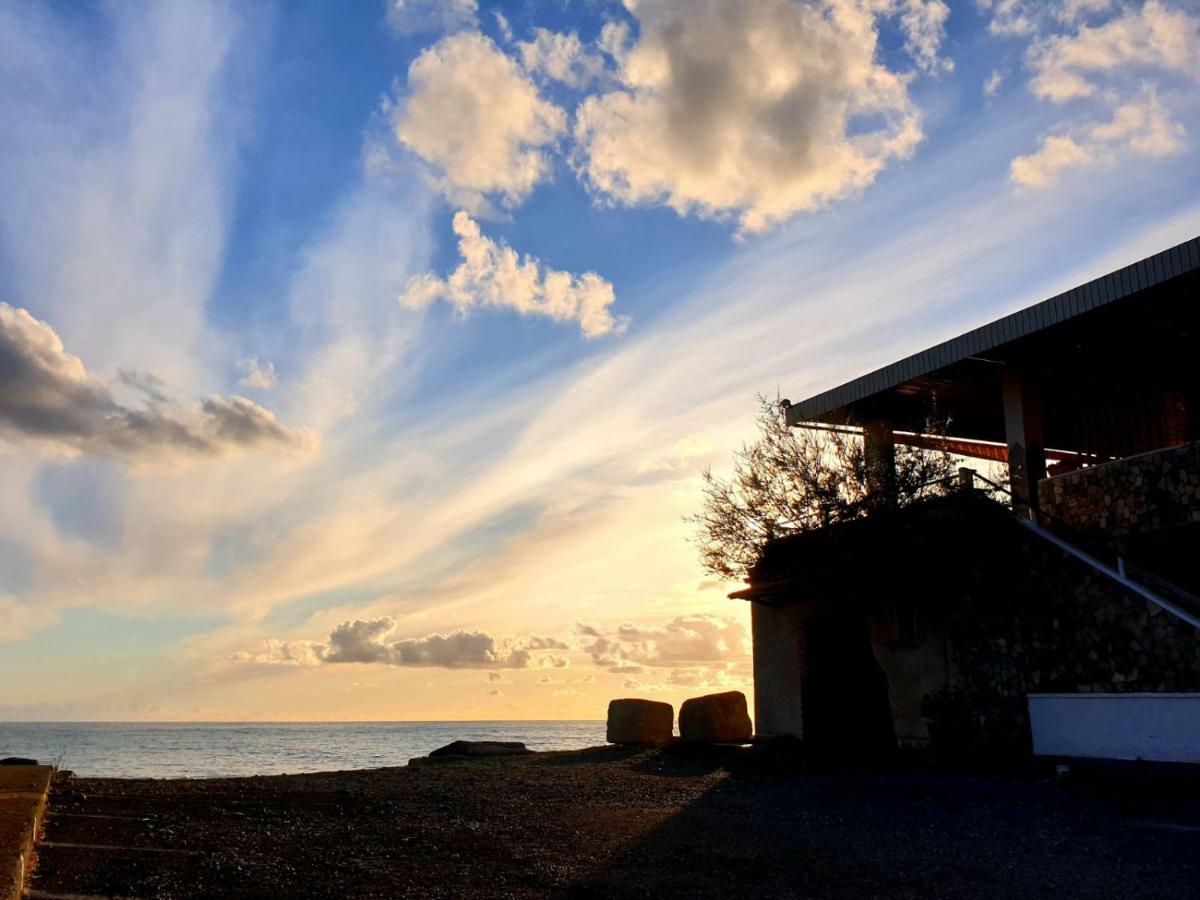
1026,446
879,450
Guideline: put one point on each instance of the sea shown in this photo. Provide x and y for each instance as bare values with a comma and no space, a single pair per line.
207,750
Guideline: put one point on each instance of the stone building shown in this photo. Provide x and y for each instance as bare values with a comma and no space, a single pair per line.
960,615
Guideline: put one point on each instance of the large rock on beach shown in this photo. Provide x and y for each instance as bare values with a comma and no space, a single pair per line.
716,718
462,749
640,722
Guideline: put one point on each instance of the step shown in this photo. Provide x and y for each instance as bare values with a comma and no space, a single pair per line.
23,791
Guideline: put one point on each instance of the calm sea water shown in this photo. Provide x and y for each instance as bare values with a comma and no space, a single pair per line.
198,750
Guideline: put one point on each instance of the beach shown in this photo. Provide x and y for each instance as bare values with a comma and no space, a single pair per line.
618,822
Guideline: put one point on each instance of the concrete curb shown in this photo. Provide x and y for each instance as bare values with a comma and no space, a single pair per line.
23,794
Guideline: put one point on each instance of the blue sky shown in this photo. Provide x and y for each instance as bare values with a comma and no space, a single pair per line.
360,360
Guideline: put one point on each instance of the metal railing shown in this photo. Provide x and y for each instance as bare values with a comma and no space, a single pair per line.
1118,573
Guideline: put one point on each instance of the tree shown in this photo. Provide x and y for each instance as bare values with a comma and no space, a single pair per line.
796,479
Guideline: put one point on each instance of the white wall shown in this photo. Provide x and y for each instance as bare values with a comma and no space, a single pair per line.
1159,727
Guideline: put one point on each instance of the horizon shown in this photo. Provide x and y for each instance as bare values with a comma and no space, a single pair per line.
359,363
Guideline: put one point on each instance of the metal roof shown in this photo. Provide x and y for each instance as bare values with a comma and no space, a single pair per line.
1093,295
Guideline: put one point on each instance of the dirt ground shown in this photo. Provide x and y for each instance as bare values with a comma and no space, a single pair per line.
612,822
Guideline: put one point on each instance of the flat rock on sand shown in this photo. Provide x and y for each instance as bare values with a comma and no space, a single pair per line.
477,749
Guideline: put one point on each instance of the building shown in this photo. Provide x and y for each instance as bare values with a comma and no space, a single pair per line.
950,614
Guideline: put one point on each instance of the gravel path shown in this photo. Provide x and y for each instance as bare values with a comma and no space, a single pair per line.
614,823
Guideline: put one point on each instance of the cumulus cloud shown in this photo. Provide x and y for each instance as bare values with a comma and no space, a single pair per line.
1141,127
719,115
258,375
493,275
477,119
369,641
992,86
561,57
924,25
1117,67
1155,37
47,395
419,16
681,642
1019,18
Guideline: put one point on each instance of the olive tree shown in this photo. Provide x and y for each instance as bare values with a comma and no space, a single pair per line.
795,479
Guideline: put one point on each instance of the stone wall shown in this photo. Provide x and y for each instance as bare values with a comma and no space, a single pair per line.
1129,496
1054,625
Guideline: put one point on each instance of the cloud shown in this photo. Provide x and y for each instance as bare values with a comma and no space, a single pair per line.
991,87
924,25
682,457
683,641
720,116
419,16
493,275
258,375
478,121
561,57
47,395
1020,18
19,619
368,641
1152,38
1117,69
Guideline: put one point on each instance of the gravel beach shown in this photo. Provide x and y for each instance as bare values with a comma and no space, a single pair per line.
612,822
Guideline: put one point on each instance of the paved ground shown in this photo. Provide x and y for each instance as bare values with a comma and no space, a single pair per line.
612,823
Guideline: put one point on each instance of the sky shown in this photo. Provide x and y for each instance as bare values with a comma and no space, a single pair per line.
360,361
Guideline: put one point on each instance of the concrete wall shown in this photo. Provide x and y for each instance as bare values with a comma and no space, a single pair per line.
1160,727
778,668
913,668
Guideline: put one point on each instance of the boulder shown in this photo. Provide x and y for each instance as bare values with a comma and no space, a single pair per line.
640,722
715,718
461,749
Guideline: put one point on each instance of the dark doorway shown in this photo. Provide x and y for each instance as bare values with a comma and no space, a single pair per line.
847,715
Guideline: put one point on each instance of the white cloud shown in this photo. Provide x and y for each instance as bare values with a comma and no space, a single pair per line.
418,16
682,641
1153,38
1116,68
561,57
493,275
258,375
46,395
19,619
368,641
684,456
475,117
1021,18
991,87
924,26
720,116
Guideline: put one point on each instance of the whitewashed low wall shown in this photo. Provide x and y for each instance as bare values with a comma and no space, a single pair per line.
1159,727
